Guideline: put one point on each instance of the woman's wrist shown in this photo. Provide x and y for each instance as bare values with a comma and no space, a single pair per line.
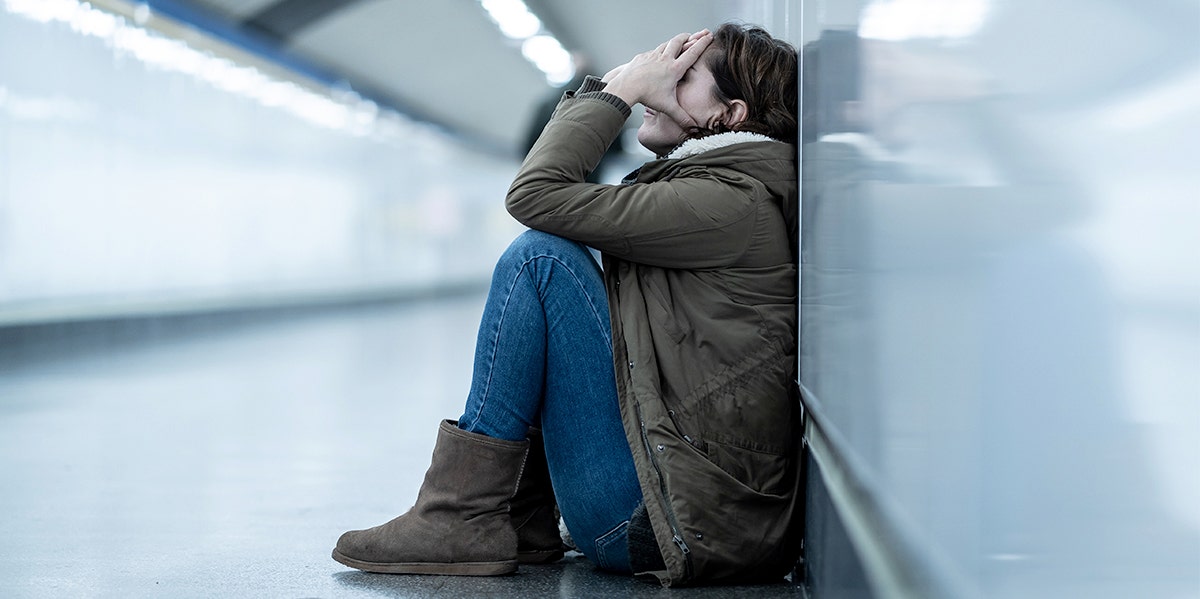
594,88
621,89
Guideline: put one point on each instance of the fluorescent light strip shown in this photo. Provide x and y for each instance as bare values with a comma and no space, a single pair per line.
351,114
538,46
513,17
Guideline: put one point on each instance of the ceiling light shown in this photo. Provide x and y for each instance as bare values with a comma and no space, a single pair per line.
513,17
550,57
539,47
351,114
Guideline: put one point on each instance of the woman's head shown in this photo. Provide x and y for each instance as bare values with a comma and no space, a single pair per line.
744,81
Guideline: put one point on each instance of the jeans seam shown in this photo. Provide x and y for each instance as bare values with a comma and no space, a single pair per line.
486,392
603,541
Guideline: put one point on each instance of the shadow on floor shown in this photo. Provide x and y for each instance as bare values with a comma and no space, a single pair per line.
573,576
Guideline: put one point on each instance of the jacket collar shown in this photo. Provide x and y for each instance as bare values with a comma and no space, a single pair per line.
700,145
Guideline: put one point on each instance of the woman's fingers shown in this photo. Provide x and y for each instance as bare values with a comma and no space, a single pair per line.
696,46
673,46
693,37
650,78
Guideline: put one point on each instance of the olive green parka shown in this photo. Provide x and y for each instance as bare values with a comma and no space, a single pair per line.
700,270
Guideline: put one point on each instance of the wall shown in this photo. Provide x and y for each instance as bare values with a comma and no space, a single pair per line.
1001,294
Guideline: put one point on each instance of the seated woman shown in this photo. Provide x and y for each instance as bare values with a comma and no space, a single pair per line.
660,391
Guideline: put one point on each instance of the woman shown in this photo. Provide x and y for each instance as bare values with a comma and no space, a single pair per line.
670,434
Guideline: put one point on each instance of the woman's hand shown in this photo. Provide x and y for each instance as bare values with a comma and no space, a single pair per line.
651,77
688,44
613,73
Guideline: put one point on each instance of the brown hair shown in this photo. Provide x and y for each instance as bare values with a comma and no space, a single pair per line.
750,65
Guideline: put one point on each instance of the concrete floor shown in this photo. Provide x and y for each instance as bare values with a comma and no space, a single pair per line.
226,462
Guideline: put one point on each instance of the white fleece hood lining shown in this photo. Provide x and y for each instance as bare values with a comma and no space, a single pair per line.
700,145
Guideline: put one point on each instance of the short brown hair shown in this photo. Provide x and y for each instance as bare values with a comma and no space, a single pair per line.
750,65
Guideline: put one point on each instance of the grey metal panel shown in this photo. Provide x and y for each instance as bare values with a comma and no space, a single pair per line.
1000,297
832,567
284,18
444,58
235,10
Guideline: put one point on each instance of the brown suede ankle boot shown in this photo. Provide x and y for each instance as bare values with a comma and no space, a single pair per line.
460,523
533,509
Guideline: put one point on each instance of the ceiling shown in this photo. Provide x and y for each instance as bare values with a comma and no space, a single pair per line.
445,61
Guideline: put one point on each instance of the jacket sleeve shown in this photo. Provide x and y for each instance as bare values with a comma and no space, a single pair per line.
701,217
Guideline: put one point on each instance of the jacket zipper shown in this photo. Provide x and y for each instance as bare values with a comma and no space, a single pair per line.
671,520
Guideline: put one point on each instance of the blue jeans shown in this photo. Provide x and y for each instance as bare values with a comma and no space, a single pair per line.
544,359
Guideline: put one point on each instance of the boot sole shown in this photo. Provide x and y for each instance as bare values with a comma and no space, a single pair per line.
540,557
448,569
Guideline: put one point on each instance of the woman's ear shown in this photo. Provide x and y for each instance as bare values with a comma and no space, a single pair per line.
735,113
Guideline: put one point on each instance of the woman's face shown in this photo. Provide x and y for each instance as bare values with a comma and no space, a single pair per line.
660,134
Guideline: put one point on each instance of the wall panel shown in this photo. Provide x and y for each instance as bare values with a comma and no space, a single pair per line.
1001,292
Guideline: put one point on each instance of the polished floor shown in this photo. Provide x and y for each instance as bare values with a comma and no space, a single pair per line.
225,462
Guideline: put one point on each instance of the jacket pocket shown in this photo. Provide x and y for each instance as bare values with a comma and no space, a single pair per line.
764,471
747,418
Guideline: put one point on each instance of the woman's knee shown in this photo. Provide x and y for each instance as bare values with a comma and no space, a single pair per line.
534,244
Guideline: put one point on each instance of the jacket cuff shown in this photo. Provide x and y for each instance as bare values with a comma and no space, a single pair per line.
593,88
591,83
